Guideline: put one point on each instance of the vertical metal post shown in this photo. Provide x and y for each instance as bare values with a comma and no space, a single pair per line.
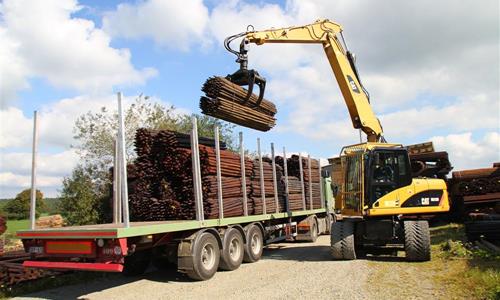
243,176
275,183
261,173
322,196
287,192
115,185
195,157
33,171
219,178
302,182
123,163
310,182
119,205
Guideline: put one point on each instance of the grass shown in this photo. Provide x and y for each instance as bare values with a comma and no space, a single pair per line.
470,272
457,271
14,225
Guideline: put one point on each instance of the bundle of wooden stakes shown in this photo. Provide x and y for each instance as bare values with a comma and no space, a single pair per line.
227,101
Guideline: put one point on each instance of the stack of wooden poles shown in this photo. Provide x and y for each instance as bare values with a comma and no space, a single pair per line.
227,101
161,181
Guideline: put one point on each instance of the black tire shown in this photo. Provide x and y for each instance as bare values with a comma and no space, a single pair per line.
342,240
254,244
314,230
232,251
417,240
137,263
206,256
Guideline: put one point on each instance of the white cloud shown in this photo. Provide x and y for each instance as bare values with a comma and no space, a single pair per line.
8,179
57,164
42,39
467,153
174,24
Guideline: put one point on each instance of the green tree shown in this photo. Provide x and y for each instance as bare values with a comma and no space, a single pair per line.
19,207
81,198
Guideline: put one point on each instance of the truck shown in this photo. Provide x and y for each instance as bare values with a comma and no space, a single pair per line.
196,247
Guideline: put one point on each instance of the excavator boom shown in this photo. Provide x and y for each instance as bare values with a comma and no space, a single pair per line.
327,34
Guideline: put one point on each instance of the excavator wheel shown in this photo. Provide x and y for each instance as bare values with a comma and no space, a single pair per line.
417,240
342,240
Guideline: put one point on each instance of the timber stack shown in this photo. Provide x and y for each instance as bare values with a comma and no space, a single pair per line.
227,101
476,199
161,180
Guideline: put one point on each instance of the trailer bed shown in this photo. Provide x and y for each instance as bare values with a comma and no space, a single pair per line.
147,228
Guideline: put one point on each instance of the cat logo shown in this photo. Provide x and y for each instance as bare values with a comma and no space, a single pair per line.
354,87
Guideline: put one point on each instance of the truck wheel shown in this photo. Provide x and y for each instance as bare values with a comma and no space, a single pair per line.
314,230
342,240
417,240
206,257
232,250
254,244
137,263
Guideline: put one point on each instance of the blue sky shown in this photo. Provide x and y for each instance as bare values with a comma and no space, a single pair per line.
430,77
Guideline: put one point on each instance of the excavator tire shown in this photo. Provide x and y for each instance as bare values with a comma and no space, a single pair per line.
342,240
417,240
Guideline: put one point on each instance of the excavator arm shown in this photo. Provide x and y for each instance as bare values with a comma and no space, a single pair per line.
327,34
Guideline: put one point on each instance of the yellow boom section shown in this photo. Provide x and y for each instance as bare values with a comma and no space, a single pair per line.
326,33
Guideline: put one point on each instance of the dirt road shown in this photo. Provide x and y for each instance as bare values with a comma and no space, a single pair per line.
286,271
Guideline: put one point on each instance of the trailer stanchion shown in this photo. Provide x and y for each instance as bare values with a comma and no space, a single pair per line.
243,176
310,182
322,197
275,184
301,169
219,178
285,171
117,208
195,157
261,173
33,171
123,163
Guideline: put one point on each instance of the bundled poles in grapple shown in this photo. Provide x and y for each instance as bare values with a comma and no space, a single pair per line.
227,101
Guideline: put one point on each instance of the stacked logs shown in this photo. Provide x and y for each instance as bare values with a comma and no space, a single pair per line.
3,225
227,101
477,181
430,164
12,271
161,181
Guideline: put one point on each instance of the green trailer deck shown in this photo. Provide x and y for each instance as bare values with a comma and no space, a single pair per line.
148,228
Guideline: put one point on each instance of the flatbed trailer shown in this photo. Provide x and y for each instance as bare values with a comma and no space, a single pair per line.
189,244
197,247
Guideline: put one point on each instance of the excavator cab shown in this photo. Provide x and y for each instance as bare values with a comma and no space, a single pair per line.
243,76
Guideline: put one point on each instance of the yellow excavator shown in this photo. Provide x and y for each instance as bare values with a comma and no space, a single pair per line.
379,207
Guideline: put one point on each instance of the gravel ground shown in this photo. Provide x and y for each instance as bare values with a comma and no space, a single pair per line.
286,271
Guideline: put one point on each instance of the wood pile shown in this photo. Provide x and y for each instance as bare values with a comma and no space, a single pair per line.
430,164
226,100
3,225
477,181
161,181
294,170
12,271
53,221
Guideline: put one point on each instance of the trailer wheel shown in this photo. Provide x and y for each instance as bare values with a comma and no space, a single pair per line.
206,255
417,240
137,263
342,240
254,244
314,230
232,251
